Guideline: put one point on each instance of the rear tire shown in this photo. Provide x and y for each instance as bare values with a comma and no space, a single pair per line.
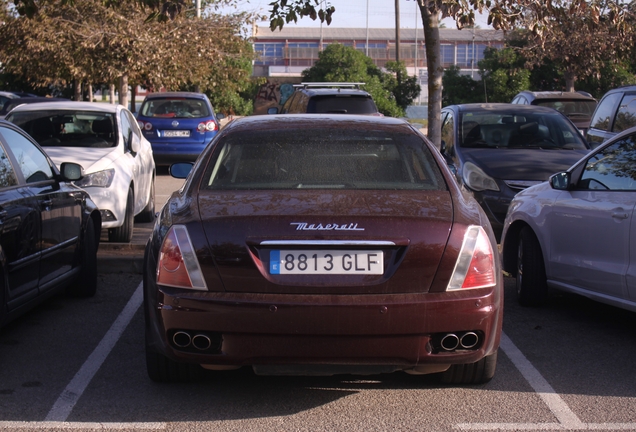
148,213
472,373
86,283
123,233
531,282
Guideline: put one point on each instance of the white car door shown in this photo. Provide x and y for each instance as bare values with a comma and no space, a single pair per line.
591,226
142,164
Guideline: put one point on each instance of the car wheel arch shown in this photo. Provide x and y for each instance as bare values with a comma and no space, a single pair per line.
510,245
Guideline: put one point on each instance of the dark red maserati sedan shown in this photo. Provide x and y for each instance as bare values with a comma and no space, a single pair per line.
321,245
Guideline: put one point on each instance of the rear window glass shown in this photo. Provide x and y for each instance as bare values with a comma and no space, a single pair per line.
342,105
175,108
323,159
569,108
65,128
522,130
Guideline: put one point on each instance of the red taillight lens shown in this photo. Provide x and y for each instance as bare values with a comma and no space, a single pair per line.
178,265
475,267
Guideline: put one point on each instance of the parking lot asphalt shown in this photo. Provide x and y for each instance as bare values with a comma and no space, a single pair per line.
123,257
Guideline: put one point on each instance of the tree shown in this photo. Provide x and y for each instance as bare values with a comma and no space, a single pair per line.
504,74
91,41
458,89
339,63
579,36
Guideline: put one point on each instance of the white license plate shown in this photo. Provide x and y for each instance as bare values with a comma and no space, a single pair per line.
326,262
176,133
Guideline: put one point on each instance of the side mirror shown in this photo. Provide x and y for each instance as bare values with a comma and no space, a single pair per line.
272,110
181,170
71,171
560,181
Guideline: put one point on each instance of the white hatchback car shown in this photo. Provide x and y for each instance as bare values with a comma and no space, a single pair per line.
119,170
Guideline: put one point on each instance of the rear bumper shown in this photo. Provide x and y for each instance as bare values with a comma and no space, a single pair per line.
167,153
401,330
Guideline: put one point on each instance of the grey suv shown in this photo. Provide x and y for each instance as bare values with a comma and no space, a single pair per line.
321,98
615,113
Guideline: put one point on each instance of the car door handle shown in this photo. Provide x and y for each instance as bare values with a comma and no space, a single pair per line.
620,215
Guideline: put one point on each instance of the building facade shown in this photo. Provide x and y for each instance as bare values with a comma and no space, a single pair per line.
284,54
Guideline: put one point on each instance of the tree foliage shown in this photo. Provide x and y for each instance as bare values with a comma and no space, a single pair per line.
339,63
459,89
580,37
93,41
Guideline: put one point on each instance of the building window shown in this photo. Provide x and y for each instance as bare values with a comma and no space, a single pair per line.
448,55
270,54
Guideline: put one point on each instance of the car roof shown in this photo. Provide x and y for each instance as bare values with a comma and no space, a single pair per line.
497,107
163,95
558,95
69,105
283,121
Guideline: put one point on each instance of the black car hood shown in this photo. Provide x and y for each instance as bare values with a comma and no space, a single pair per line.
522,164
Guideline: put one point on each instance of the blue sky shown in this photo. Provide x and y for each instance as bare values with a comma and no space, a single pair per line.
353,13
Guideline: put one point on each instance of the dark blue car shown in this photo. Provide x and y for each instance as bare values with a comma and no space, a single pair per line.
178,125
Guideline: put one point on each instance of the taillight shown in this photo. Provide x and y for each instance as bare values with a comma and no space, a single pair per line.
178,265
144,125
475,267
210,125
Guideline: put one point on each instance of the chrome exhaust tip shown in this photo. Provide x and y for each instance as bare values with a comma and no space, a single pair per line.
450,342
201,342
181,339
469,340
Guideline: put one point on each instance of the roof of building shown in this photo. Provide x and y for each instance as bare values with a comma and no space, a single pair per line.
313,33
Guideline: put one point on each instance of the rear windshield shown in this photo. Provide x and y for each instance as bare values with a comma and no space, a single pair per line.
569,108
522,130
60,128
175,107
323,159
344,104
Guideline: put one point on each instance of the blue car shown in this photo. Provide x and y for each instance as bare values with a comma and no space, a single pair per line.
178,125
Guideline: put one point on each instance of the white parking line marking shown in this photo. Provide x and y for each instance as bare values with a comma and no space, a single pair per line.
54,425
73,391
567,419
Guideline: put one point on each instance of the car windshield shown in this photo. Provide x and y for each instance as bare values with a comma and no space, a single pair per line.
522,130
569,108
68,128
323,159
342,105
175,107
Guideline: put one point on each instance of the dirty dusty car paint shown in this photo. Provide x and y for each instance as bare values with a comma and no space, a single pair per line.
322,245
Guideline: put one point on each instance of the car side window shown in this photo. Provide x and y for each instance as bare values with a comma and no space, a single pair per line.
613,168
126,130
31,161
626,115
134,126
448,132
7,175
604,111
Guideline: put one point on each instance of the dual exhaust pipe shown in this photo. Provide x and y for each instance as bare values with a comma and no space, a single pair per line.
198,341
452,341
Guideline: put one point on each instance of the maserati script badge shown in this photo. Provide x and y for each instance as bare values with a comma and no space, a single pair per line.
304,226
